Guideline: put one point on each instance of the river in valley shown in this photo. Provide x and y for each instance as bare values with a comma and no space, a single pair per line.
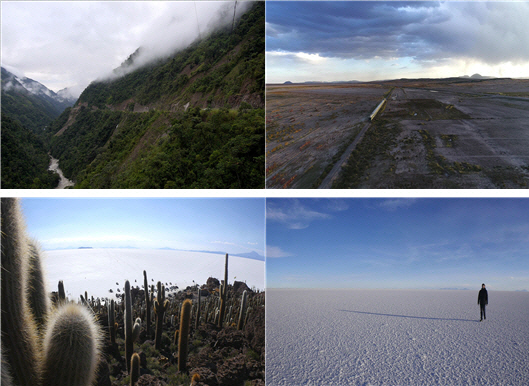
54,166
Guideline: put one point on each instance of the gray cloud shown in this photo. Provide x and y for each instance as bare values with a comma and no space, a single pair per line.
425,31
73,43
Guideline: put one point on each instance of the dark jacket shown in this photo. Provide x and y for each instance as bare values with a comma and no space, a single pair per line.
483,297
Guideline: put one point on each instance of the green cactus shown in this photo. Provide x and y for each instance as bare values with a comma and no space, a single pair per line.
67,351
37,294
112,321
160,306
19,329
71,347
198,311
134,369
148,304
62,296
240,324
183,336
132,331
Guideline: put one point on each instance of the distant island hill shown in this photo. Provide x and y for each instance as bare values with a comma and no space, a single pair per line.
475,76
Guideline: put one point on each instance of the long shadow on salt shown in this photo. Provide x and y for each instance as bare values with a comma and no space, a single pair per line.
411,317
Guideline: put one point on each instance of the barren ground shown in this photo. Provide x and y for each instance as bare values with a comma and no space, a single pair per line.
361,337
448,133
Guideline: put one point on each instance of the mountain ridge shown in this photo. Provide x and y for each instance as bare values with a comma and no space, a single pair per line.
194,119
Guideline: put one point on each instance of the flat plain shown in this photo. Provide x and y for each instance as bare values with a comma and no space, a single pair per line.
432,133
99,270
395,337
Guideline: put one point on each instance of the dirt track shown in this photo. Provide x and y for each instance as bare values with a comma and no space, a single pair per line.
453,133
309,125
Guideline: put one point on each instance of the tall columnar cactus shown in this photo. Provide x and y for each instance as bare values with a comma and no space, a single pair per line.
240,324
132,331
197,321
112,321
183,336
223,294
19,330
71,347
160,306
62,295
38,298
67,352
148,304
134,369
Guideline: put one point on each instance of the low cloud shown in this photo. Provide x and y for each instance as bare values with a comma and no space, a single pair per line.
71,44
293,214
397,203
275,252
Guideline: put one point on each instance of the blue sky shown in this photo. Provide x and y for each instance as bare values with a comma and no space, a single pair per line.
398,243
374,40
230,225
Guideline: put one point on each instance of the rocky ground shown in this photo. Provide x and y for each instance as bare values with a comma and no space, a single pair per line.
218,356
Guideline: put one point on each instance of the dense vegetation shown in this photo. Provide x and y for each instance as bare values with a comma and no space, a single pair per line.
135,132
24,158
218,67
193,149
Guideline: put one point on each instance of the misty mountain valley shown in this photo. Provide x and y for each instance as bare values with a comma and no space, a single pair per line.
194,119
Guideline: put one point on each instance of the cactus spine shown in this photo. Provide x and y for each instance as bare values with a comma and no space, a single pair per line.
183,336
223,293
160,306
19,330
134,369
71,347
148,304
240,324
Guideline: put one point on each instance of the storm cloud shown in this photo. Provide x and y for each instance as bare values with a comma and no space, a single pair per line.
427,33
70,44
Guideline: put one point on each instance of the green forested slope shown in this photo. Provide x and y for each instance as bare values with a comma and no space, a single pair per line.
24,158
194,120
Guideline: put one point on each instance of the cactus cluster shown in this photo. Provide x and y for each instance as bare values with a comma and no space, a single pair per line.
66,351
59,343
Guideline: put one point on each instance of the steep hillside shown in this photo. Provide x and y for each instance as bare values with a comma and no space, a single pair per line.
193,120
24,158
29,102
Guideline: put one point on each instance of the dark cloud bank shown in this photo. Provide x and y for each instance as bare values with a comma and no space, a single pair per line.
425,31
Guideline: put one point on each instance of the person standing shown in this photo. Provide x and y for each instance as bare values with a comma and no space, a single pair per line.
483,300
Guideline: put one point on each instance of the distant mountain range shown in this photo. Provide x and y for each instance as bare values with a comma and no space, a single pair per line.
250,255
475,76
321,82
30,102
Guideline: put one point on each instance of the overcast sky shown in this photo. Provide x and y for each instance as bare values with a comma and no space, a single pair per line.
398,243
69,44
353,40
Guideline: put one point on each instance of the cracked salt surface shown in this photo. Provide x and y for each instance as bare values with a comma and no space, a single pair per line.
395,337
